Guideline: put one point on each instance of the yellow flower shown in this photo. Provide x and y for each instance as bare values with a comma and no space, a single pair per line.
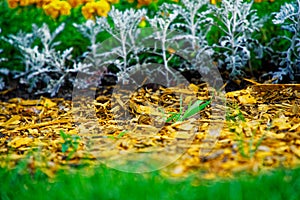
65,8
100,8
56,8
213,2
51,11
143,22
88,10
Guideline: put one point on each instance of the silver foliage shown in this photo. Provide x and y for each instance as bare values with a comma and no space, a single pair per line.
44,64
2,71
123,46
162,37
238,22
192,26
289,59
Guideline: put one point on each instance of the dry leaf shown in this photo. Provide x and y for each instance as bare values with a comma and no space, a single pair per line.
281,123
48,103
12,121
247,99
19,141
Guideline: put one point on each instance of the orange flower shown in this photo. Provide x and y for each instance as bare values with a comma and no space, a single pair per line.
16,3
113,1
41,3
75,3
143,3
13,3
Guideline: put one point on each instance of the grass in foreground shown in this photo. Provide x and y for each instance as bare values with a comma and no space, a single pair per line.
107,183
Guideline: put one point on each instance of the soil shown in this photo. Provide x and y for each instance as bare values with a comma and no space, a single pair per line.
16,90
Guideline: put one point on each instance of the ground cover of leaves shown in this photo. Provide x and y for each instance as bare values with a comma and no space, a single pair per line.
260,131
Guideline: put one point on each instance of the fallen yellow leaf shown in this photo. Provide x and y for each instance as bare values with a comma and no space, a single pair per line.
247,99
19,141
12,121
193,87
48,103
281,123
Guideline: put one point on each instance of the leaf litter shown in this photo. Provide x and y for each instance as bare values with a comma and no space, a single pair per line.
261,131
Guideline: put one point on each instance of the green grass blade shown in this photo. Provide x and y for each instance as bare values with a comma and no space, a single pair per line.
194,109
63,135
122,134
173,117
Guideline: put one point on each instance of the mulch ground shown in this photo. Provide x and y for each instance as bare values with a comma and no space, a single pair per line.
257,129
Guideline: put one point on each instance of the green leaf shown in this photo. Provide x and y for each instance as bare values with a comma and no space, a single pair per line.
63,134
111,137
173,117
75,145
65,147
75,137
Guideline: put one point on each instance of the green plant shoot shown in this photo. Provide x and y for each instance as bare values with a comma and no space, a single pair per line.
69,142
194,109
118,136
191,111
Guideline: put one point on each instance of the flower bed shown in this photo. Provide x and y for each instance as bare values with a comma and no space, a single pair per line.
232,34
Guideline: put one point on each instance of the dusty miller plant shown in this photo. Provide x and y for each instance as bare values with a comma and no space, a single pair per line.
237,22
196,23
43,63
122,48
3,72
90,29
163,38
289,19
1,50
